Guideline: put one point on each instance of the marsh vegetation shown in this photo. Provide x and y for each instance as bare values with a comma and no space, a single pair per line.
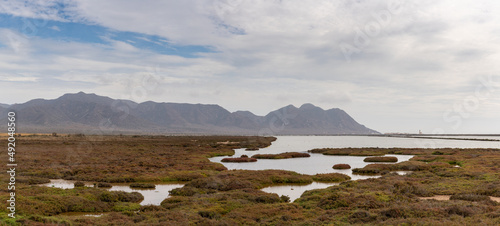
214,195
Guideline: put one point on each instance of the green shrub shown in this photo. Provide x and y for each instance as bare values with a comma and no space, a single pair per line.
142,185
333,201
291,179
268,198
108,197
463,211
285,198
470,197
126,206
252,149
439,165
129,196
394,213
331,177
285,155
79,184
151,208
104,185
120,196
241,159
361,216
32,180
411,166
210,214
364,171
184,191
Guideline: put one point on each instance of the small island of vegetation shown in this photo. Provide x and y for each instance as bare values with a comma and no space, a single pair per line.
341,166
285,155
381,159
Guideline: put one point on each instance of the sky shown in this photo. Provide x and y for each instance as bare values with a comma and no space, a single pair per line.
394,66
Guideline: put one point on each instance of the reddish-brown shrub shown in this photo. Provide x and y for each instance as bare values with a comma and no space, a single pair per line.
79,184
239,159
365,171
341,166
381,159
331,177
285,155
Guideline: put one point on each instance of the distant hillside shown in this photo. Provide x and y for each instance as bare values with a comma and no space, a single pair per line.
90,113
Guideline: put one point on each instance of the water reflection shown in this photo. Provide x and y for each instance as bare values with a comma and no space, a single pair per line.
85,214
295,191
151,196
317,163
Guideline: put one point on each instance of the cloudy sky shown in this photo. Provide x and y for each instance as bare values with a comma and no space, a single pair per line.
395,66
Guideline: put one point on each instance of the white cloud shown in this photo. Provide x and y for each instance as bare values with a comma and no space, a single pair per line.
40,9
55,28
17,78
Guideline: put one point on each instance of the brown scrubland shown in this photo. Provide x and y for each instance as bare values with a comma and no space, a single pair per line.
214,195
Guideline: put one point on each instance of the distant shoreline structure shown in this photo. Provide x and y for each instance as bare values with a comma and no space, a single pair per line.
420,136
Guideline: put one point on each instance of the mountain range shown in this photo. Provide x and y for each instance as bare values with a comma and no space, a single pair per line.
93,114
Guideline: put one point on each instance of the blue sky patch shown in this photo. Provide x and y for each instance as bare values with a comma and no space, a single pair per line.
86,33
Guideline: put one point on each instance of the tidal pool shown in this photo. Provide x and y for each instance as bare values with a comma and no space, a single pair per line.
151,196
295,191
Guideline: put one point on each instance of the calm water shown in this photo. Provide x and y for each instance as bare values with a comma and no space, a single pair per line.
151,196
319,163
304,143
295,191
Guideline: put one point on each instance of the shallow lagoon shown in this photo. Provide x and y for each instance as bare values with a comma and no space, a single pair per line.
319,163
